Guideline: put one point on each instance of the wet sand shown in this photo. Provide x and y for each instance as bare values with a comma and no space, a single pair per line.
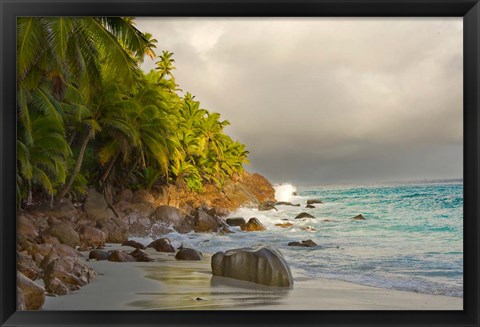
169,284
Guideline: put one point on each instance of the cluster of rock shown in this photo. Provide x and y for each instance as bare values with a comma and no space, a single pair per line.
49,239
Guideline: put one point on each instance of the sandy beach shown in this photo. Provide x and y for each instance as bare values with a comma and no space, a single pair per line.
169,284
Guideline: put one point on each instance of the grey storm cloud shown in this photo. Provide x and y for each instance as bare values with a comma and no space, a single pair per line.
327,100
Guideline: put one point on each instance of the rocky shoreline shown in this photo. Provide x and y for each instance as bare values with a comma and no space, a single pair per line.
50,240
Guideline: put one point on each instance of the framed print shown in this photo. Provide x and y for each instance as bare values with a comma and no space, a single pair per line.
247,163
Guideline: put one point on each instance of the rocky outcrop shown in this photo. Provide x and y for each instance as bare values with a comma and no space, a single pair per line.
238,194
66,274
63,210
207,223
188,254
235,221
115,229
27,266
66,234
162,245
33,295
304,215
26,228
314,201
142,196
171,216
252,225
261,265
20,300
124,195
96,207
307,243
91,238
259,186
359,217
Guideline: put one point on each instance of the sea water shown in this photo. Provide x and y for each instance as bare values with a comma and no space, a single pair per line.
411,238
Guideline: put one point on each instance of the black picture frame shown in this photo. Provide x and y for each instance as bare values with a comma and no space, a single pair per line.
468,9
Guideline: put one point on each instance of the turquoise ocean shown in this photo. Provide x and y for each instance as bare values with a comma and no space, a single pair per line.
411,238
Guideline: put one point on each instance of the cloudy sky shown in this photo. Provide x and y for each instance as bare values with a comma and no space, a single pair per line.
328,100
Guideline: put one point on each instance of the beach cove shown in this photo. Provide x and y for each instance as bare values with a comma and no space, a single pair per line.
168,284
324,275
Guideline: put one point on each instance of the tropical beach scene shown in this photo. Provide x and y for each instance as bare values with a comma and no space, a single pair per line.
239,163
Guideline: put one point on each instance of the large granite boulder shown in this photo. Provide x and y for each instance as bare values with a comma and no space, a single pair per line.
262,265
66,234
66,274
96,207
239,194
162,245
171,216
259,186
252,225
33,295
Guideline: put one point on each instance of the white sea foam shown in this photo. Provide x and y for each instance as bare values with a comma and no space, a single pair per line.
284,192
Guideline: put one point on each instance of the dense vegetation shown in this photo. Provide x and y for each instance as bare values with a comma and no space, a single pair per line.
89,117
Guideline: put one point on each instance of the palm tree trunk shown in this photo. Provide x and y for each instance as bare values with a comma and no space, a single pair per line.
110,166
76,170
135,164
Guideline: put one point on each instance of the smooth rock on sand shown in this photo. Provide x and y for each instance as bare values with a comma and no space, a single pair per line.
134,244
162,245
188,254
262,265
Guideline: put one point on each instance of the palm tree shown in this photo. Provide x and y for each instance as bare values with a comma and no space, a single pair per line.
57,54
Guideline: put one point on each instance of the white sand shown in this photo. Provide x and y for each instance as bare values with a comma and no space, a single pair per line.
168,284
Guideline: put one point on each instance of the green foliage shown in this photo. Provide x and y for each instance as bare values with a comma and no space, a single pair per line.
80,88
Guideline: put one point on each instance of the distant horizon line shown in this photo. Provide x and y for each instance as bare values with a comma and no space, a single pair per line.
416,181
